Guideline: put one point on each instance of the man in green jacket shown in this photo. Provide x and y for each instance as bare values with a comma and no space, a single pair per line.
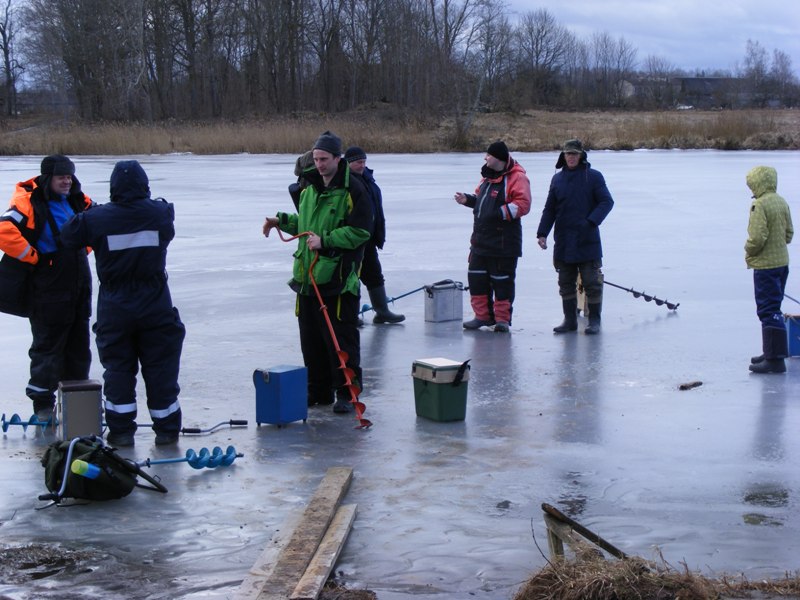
335,212
769,230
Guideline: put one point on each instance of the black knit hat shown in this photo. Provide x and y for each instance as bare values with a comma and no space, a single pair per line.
354,153
57,164
499,150
329,142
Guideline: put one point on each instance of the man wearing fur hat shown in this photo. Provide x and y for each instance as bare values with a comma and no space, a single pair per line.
501,199
335,208
61,284
577,203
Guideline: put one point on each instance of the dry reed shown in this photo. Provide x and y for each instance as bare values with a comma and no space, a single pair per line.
382,131
590,577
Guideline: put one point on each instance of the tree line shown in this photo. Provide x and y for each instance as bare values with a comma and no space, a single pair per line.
149,60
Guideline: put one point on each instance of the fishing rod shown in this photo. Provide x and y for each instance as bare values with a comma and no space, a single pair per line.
785,295
369,307
647,297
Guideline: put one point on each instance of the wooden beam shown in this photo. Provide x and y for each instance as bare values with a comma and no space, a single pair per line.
588,534
293,559
559,534
318,571
253,583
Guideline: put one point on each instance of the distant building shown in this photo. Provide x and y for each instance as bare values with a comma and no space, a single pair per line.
711,92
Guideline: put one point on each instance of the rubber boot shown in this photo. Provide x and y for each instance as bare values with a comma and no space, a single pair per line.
593,328
381,307
570,316
776,348
756,359
502,315
480,306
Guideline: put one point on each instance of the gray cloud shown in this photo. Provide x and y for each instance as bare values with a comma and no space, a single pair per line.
689,34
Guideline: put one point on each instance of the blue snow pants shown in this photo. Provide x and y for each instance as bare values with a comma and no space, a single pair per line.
769,286
137,325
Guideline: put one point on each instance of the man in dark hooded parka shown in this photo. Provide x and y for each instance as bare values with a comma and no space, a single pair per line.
136,321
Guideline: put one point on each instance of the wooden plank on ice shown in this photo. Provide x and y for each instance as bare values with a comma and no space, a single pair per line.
253,583
295,556
312,582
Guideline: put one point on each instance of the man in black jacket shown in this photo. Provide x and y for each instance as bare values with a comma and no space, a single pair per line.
371,270
61,282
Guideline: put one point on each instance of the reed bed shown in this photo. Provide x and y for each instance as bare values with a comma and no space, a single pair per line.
592,578
384,131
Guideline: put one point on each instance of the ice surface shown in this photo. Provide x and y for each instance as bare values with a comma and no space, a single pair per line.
593,425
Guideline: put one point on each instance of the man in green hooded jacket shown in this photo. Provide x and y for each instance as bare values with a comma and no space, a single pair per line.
769,230
336,213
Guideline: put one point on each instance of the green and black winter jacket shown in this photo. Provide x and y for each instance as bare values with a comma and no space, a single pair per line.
341,214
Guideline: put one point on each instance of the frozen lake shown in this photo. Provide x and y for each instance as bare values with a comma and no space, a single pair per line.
593,425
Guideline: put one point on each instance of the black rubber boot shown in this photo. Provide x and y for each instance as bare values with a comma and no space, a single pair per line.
381,307
769,365
593,328
570,316
756,359
776,348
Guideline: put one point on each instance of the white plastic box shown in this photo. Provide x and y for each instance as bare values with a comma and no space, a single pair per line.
444,301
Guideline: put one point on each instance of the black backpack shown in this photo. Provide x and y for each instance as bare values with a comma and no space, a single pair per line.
115,475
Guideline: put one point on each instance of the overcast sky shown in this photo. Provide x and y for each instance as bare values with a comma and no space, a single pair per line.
690,34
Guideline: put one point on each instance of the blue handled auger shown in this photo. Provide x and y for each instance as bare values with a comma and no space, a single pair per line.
203,460
33,421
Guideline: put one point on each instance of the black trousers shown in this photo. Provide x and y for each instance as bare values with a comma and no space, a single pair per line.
319,353
59,352
591,279
371,270
492,276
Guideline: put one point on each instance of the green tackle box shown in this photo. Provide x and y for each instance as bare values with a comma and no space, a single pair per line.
440,388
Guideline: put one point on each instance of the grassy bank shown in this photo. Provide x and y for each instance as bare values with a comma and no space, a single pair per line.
381,131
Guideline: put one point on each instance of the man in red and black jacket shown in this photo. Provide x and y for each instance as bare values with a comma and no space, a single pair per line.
61,281
502,198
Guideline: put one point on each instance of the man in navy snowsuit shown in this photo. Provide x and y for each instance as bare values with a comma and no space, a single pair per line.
136,321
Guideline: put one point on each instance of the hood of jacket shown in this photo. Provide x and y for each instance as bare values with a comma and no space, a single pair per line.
762,180
129,182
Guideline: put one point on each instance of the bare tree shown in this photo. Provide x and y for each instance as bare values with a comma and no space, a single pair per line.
756,70
543,44
782,78
450,30
656,88
614,61
11,68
